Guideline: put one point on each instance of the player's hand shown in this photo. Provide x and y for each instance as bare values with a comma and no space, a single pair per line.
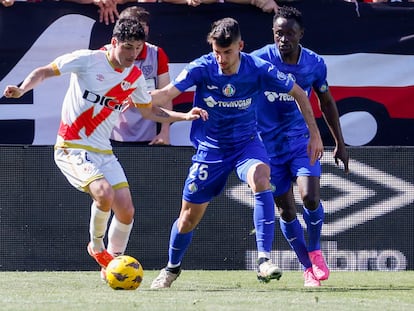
196,113
108,11
268,6
194,2
108,15
160,139
7,3
315,149
13,91
340,153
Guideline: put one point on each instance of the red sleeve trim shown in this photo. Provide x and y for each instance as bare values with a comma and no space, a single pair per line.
162,62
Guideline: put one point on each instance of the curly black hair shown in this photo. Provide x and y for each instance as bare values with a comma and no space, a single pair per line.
289,12
128,29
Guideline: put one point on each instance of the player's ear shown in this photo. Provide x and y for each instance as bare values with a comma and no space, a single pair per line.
241,45
114,41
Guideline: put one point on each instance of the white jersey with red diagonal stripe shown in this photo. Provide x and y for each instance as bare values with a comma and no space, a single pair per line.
96,96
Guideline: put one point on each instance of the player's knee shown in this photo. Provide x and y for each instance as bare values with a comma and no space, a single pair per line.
287,215
185,225
261,178
311,203
104,195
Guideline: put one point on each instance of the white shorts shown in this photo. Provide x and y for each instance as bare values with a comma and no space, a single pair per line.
81,167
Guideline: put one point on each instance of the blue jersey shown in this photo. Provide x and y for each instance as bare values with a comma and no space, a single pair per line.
230,100
279,117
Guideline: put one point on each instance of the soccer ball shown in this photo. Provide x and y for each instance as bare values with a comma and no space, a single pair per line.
124,272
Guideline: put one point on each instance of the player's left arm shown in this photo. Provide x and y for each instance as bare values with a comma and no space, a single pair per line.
330,114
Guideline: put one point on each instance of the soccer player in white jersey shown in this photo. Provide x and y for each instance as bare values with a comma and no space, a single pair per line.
102,85
228,86
285,136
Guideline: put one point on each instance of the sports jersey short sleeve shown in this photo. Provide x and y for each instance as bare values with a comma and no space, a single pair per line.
163,62
279,118
97,94
230,100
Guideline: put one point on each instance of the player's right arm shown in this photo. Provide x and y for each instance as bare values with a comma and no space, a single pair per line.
315,146
31,81
157,113
164,95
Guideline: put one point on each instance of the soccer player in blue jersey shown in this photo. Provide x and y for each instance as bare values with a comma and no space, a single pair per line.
285,135
228,85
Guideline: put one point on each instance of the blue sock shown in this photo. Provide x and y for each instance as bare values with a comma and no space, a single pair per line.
293,233
314,221
179,242
264,220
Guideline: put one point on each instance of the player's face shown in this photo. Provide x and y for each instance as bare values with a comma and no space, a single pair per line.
228,58
124,53
287,34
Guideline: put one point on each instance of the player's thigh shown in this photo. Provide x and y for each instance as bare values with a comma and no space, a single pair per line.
78,166
205,181
301,166
252,160
280,177
113,172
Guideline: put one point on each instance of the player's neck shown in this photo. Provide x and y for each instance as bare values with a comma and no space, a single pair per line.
114,64
292,58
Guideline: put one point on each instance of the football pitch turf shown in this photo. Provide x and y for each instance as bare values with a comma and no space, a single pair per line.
208,290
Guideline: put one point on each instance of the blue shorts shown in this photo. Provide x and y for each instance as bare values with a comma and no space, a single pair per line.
208,174
296,163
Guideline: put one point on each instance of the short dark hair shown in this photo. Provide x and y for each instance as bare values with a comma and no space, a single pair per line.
136,12
224,32
289,12
128,29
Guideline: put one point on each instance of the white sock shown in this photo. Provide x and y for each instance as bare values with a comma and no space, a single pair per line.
97,227
263,255
118,237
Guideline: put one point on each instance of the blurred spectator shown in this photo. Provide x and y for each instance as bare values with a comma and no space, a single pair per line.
7,3
268,6
379,1
108,11
153,62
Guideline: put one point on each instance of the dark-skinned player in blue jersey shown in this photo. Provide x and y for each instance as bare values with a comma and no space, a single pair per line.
286,137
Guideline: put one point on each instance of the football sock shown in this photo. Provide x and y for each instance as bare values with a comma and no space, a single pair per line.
314,221
264,221
174,270
118,236
293,233
261,260
97,227
179,242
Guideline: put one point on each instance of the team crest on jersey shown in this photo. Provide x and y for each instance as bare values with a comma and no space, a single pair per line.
323,88
281,75
146,70
229,90
100,77
192,187
125,85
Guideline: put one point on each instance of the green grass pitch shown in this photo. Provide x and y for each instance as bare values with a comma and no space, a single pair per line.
209,291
